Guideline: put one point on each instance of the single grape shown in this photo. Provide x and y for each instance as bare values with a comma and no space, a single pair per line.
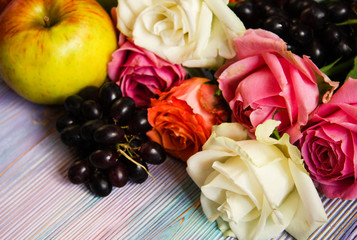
137,174
317,53
108,93
331,35
109,134
65,120
246,13
295,7
89,93
99,184
118,175
78,172
264,8
122,110
338,11
88,128
72,104
344,48
152,152
103,158
139,122
314,16
90,109
301,34
71,135
276,24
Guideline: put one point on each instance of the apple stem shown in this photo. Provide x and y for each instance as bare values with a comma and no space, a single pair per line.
46,19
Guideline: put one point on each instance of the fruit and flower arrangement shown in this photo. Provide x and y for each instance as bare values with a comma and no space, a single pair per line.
257,97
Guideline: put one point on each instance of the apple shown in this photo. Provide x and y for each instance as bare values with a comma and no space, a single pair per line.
3,4
106,4
50,50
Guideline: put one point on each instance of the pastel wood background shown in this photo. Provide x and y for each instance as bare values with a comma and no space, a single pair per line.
38,202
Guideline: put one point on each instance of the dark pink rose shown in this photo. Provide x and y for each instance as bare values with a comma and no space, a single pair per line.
266,81
329,144
141,74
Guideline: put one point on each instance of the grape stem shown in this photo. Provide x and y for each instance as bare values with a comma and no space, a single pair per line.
135,162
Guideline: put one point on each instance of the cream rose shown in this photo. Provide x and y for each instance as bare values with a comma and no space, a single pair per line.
195,33
255,189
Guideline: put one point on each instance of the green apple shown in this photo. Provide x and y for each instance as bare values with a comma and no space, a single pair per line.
50,50
107,4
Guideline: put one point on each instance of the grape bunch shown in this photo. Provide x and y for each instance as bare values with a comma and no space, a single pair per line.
309,27
108,133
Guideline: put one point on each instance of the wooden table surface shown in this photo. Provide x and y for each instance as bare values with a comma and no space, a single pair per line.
37,201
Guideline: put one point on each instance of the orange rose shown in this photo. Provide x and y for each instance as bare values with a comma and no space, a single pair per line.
182,118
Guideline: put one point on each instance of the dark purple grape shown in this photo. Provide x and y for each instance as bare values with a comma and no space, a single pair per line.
331,35
118,175
280,3
84,149
71,136
138,140
109,134
90,92
137,174
264,8
152,152
103,158
246,13
78,172
109,92
344,48
122,110
99,184
338,11
142,137
314,16
88,128
72,104
317,53
139,122
65,120
277,12
277,25
301,34
90,110
295,7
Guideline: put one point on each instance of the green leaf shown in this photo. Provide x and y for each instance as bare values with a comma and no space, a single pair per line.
329,68
340,69
348,22
353,72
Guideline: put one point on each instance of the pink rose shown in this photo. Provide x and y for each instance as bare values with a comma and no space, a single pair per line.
329,144
141,74
266,81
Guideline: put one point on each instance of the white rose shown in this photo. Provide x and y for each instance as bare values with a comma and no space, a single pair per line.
195,33
255,189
